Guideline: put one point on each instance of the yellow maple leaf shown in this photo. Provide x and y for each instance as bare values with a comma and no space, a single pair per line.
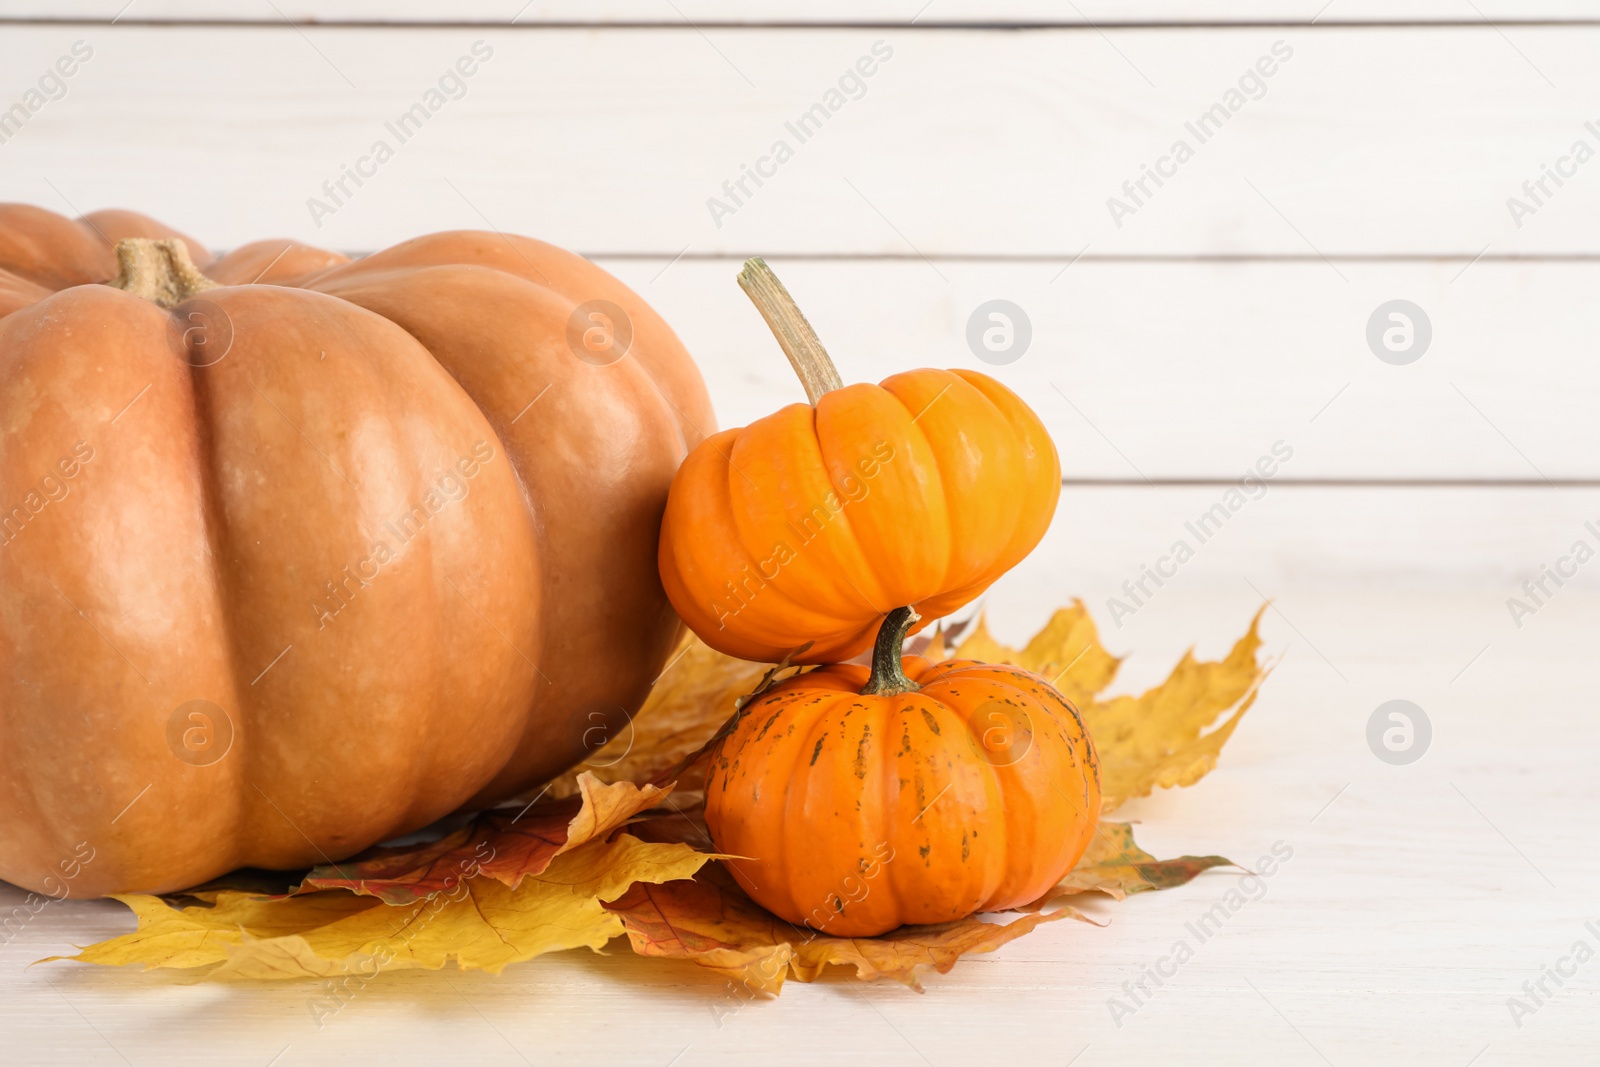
1145,742
696,693
482,925
1067,653
1114,865
1155,740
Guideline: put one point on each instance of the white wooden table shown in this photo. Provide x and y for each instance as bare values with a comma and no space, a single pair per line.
1418,899
1227,314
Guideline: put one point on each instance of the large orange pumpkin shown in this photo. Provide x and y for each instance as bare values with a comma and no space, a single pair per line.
809,525
919,793
322,552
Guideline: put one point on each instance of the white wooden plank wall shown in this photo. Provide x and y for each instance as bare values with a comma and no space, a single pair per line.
1225,312
1175,369
965,142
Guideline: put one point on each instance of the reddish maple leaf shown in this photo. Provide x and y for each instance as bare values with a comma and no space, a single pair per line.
506,844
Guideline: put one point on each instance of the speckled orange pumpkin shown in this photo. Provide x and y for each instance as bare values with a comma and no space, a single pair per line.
918,793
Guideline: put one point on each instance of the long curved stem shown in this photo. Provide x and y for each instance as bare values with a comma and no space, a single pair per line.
888,676
788,324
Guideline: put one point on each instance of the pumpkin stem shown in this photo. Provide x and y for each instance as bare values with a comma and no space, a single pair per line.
159,271
888,677
788,324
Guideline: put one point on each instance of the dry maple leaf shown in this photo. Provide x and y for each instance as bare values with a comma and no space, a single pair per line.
1155,740
506,845
1067,653
480,924
1147,741
714,923
696,693
710,921
1115,866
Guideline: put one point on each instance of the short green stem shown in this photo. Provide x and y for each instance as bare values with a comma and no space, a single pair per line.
888,676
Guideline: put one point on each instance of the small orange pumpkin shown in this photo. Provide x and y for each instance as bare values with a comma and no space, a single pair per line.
808,525
868,801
